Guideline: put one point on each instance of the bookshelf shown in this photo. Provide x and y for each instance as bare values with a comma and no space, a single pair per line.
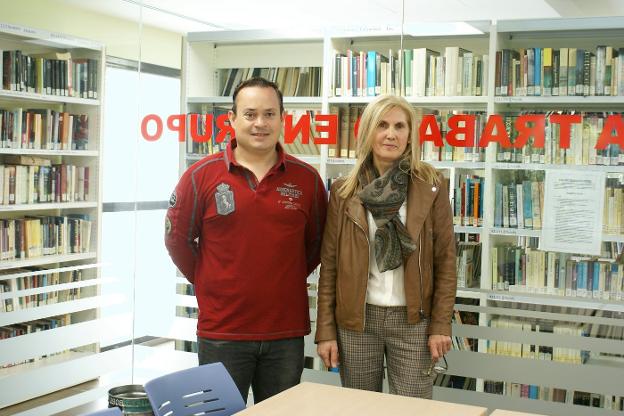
50,211
553,337
506,336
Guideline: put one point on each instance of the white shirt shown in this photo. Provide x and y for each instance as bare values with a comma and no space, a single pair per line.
387,288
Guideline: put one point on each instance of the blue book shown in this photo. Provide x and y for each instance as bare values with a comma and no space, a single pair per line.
527,204
596,280
537,74
581,281
530,52
533,392
371,72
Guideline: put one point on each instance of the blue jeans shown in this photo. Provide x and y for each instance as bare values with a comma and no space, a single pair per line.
269,367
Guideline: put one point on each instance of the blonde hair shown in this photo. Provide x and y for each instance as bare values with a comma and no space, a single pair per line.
373,113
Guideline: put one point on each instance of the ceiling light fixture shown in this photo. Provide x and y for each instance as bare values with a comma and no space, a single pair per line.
441,29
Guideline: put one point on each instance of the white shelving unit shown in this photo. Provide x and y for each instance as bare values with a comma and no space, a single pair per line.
590,317
205,54
40,361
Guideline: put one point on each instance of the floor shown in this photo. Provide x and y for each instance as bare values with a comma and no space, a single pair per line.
62,394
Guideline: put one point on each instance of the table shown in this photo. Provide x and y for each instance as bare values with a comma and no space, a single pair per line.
499,412
311,399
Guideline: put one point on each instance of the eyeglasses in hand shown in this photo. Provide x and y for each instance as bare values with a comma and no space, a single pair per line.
436,367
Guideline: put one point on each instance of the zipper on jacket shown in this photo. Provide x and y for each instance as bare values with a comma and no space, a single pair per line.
422,311
367,267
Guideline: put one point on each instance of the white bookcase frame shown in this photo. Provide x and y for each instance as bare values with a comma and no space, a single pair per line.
76,345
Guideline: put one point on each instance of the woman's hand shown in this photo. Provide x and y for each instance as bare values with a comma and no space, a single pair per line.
438,346
328,351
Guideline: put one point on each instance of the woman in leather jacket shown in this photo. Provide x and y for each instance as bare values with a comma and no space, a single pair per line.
387,283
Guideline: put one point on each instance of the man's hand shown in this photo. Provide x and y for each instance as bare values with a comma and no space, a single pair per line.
328,351
438,346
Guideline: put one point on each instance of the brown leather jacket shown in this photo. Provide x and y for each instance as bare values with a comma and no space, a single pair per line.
345,253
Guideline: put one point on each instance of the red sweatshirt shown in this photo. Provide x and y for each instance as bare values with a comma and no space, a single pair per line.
248,247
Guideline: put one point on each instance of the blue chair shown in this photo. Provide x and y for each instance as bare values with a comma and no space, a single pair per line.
111,411
207,388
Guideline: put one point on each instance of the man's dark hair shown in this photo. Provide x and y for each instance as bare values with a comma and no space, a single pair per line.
258,82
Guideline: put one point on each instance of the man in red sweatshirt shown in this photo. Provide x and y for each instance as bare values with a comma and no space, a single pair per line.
244,226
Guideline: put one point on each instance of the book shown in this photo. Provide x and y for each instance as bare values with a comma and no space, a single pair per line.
423,58
27,160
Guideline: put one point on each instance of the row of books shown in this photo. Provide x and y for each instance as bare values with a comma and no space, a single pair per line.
527,391
455,382
547,71
187,346
610,250
207,124
431,152
185,289
468,200
345,140
534,351
30,237
581,150
30,184
551,394
583,398
410,72
468,264
24,328
187,312
50,298
525,269
55,73
613,212
606,331
302,81
43,129
582,145
298,147
39,280
203,124
463,343
519,203
6,305
45,279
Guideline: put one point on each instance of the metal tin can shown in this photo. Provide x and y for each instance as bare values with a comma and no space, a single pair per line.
131,399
